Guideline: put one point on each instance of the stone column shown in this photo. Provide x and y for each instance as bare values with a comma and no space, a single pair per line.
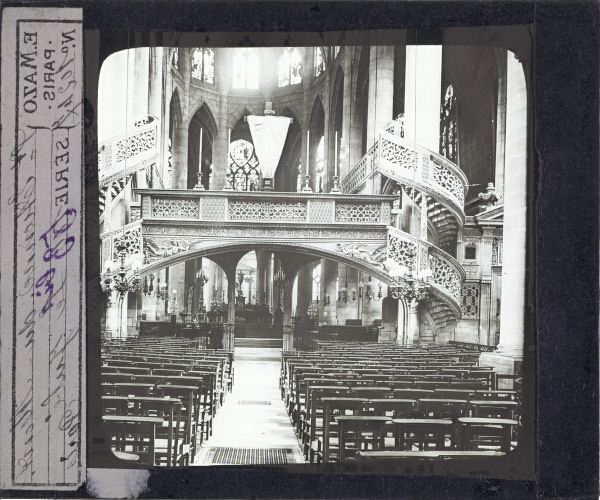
304,292
229,333
501,125
263,278
180,157
509,356
220,158
423,88
181,133
413,324
112,317
381,90
351,131
288,327
329,270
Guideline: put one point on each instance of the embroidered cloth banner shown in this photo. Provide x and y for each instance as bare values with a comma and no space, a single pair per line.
268,134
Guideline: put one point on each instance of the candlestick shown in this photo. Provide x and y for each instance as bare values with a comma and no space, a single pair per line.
335,167
307,150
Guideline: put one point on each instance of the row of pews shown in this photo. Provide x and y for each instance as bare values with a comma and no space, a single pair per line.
160,397
369,407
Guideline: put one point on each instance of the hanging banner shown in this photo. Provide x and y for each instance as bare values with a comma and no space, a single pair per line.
268,134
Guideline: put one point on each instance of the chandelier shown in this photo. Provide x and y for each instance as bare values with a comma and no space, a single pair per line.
118,281
201,280
407,285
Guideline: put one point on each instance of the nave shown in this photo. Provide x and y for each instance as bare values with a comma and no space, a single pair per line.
345,407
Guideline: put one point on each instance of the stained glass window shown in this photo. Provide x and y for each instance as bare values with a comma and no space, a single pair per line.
319,61
203,65
176,58
448,126
243,166
246,66
336,51
289,68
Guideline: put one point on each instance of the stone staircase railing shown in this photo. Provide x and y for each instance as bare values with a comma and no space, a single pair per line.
447,274
132,233
133,149
413,166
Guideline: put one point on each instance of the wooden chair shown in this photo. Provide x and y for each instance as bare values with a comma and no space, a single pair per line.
359,433
114,405
482,433
132,436
441,408
488,408
134,389
424,433
189,427
168,450
328,445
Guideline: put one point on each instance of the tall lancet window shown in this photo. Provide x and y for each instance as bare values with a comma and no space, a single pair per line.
448,126
319,61
243,166
289,68
246,66
320,165
316,284
203,65
175,58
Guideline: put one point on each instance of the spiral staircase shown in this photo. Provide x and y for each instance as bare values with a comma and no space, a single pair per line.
419,172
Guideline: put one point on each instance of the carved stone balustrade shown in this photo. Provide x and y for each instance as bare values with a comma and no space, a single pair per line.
265,208
447,274
417,169
132,233
128,152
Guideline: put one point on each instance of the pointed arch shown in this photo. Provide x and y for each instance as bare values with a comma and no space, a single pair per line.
175,111
202,131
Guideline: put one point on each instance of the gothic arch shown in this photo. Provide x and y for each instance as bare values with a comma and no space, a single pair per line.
176,113
201,125
210,117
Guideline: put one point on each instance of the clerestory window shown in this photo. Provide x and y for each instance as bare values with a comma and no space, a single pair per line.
246,66
203,65
289,68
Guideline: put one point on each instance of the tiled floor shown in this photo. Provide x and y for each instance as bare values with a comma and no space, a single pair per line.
253,424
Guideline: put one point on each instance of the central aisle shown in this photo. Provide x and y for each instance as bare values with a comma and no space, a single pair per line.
252,425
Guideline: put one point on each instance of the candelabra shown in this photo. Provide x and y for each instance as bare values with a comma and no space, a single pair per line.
406,284
148,286
118,281
201,280
313,310
162,291
369,295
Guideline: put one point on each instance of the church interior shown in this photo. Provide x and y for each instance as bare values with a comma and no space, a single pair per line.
315,255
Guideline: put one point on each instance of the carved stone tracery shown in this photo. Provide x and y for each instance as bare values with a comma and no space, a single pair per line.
355,212
171,208
136,144
280,211
445,276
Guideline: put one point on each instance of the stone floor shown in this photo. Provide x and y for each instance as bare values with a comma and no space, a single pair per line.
253,415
